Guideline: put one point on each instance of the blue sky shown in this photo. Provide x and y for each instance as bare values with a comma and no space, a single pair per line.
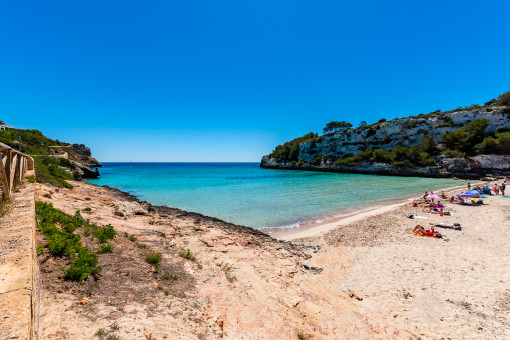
229,80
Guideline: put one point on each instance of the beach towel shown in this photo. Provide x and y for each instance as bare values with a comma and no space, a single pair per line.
455,226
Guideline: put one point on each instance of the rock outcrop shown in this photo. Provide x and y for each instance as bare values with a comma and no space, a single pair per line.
80,155
319,155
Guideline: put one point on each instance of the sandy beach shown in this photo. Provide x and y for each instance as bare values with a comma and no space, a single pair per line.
455,287
328,224
364,277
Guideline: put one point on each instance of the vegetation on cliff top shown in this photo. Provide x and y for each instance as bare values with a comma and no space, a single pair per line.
290,150
33,142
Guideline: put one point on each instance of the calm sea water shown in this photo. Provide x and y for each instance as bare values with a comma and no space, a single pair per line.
243,193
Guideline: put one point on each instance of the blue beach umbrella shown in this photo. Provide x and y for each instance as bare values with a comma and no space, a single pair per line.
465,194
474,192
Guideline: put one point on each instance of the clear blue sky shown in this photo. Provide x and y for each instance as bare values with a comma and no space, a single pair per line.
229,80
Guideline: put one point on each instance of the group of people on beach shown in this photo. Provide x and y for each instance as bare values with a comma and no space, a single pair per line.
428,202
486,188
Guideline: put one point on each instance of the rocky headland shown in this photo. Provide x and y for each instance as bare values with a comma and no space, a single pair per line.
337,151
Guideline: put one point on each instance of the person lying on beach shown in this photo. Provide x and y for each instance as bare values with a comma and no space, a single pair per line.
426,194
433,210
420,231
455,226
443,195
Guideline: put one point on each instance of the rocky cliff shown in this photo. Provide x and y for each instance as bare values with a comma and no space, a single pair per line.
323,153
81,156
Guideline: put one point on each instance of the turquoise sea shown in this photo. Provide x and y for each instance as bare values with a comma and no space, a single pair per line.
245,194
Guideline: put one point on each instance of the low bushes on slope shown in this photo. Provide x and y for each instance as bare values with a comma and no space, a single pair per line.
54,170
58,228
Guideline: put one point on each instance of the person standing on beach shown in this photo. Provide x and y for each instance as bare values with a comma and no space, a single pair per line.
502,187
496,189
469,186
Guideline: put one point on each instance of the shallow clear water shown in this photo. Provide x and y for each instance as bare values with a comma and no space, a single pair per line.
243,193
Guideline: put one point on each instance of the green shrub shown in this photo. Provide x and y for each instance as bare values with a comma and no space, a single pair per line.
382,156
62,241
132,238
411,124
104,233
290,150
504,142
316,161
499,144
454,140
453,153
78,218
187,255
404,164
154,258
59,245
167,276
40,249
83,266
504,99
348,161
429,145
141,245
49,170
489,145
105,248
30,179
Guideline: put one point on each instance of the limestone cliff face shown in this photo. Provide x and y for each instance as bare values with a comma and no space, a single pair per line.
404,132
80,153
81,156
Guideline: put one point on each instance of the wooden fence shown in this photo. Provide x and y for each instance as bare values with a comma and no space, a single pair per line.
13,167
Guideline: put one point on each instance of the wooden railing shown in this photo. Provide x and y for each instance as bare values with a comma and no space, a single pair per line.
13,167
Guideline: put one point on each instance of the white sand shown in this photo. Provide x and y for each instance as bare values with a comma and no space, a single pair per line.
458,288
